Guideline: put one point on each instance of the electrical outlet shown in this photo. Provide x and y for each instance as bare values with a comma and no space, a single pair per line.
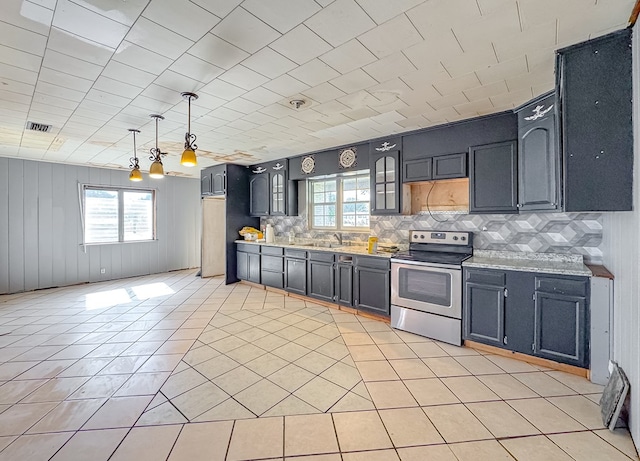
103,270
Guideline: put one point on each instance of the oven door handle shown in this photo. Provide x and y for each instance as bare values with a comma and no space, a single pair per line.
425,265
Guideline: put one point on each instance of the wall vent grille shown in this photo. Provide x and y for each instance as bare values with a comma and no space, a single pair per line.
41,127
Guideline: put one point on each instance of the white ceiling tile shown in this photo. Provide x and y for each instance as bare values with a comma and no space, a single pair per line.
448,101
383,11
216,51
196,68
314,72
27,15
424,77
348,57
80,21
17,87
94,106
70,65
181,16
84,113
474,108
282,15
245,31
65,80
22,39
220,8
456,85
536,12
489,28
226,114
49,109
513,98
486,91
433,17
301,44
19,58
116,87
277,111
243,77
323,92
504,69
414,123
177,82
207,102
158,39
242,125
489,6
353,81
222,89
107,98
54,101
126,12
481,58
258,118
390,67
286,85
162,94
135,56
427,54
340,22
152,106
394,35
511,46
17,73
262,96
60,92
358,100
362,113
243,105
74,45
8,109
128,74
269,63
227,130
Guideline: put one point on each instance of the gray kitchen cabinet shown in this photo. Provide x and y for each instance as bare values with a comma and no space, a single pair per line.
259,195
371,286
493,178
271,193
248,262
538,155
417,170
519,312
213,180
205,182
344,281
272,266
384,170
594,80
321,276
295,271
434,168
484,303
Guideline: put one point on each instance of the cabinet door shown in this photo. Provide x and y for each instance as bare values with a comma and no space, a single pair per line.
450,166
321,278
484,313
205,183
218,183
295,275
259,195
254,267
344,284
561,328
242,265
519,312
385,183
417,170
492,178
278,194
371,290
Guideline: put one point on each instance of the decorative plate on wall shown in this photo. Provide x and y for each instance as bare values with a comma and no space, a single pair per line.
347,158
308,164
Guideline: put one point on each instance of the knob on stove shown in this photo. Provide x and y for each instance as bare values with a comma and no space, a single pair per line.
455,237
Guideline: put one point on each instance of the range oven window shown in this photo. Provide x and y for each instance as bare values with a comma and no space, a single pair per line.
425,286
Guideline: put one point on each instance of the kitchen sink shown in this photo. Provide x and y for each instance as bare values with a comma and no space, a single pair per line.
320,245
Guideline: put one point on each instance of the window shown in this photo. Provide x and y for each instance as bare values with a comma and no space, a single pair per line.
340,203
113,215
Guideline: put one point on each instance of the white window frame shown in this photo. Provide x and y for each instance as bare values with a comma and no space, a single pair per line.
120,191
339,201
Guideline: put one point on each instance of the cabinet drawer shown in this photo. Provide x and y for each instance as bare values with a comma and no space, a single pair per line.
291,253
570,287
321,256
416,170
487,277
373,263
272,263
273,279
275,251
248,247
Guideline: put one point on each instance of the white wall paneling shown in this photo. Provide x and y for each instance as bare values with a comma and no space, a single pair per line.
41,229
621,248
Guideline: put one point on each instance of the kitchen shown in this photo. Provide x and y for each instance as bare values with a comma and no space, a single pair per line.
453,168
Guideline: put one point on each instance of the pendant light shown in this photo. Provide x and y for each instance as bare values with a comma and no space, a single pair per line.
135,174
157,170
189,155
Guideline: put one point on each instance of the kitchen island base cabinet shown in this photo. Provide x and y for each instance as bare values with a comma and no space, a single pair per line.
371,287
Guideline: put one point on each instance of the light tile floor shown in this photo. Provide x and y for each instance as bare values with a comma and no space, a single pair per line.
173,367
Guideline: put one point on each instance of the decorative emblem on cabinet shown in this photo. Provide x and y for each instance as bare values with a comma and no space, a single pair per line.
259,170
539,112
308,164
347,158
278,166
385,146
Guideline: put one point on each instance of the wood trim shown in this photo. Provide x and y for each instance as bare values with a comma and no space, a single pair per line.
600,271
529,359
252,284
634,14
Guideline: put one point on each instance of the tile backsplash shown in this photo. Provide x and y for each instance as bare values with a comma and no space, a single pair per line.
578,233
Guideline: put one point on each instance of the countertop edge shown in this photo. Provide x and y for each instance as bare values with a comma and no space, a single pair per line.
343,250
508,264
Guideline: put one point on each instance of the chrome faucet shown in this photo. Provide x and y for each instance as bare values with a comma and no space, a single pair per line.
339,237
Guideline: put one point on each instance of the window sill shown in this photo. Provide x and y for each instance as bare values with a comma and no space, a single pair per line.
117,243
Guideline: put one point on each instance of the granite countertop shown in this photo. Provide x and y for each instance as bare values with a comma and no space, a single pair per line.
345,249
563,264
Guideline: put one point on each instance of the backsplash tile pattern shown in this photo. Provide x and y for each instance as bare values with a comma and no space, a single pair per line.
578,233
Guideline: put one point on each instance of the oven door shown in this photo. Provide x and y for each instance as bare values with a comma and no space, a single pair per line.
437,290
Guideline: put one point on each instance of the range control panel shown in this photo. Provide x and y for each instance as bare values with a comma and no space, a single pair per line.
445,238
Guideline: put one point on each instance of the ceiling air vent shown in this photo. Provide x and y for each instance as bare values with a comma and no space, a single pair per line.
41,127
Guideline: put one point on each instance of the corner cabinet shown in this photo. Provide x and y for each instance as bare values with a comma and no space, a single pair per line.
594,80
538,155
270,191
493,178
384,170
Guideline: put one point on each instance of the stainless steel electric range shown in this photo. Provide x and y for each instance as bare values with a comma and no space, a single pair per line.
426,284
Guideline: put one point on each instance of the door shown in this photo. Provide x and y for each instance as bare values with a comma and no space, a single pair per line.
295,275
385,174
519,312
450,166
242,267
371,290
417,170
278,192
213,248
259,195
205,183
321,278
344,283
484,313
492,178
218,182
254,267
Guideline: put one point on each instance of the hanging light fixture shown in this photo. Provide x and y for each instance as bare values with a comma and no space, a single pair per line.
156,170
135,174
189,155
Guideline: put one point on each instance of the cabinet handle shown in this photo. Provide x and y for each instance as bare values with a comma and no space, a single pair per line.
505,340
506,294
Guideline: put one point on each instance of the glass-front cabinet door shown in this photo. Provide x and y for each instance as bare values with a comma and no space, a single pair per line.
277,194
385,180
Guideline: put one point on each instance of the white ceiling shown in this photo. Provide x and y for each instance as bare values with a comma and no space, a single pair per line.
366,68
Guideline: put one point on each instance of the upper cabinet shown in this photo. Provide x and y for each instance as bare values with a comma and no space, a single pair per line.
594,80
271,193
213,180
538,155
493,178
384,171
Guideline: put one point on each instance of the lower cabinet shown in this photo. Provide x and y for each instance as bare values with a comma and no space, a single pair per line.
530,313
344,281
295,271
248,262
321,276
272,267
371,287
